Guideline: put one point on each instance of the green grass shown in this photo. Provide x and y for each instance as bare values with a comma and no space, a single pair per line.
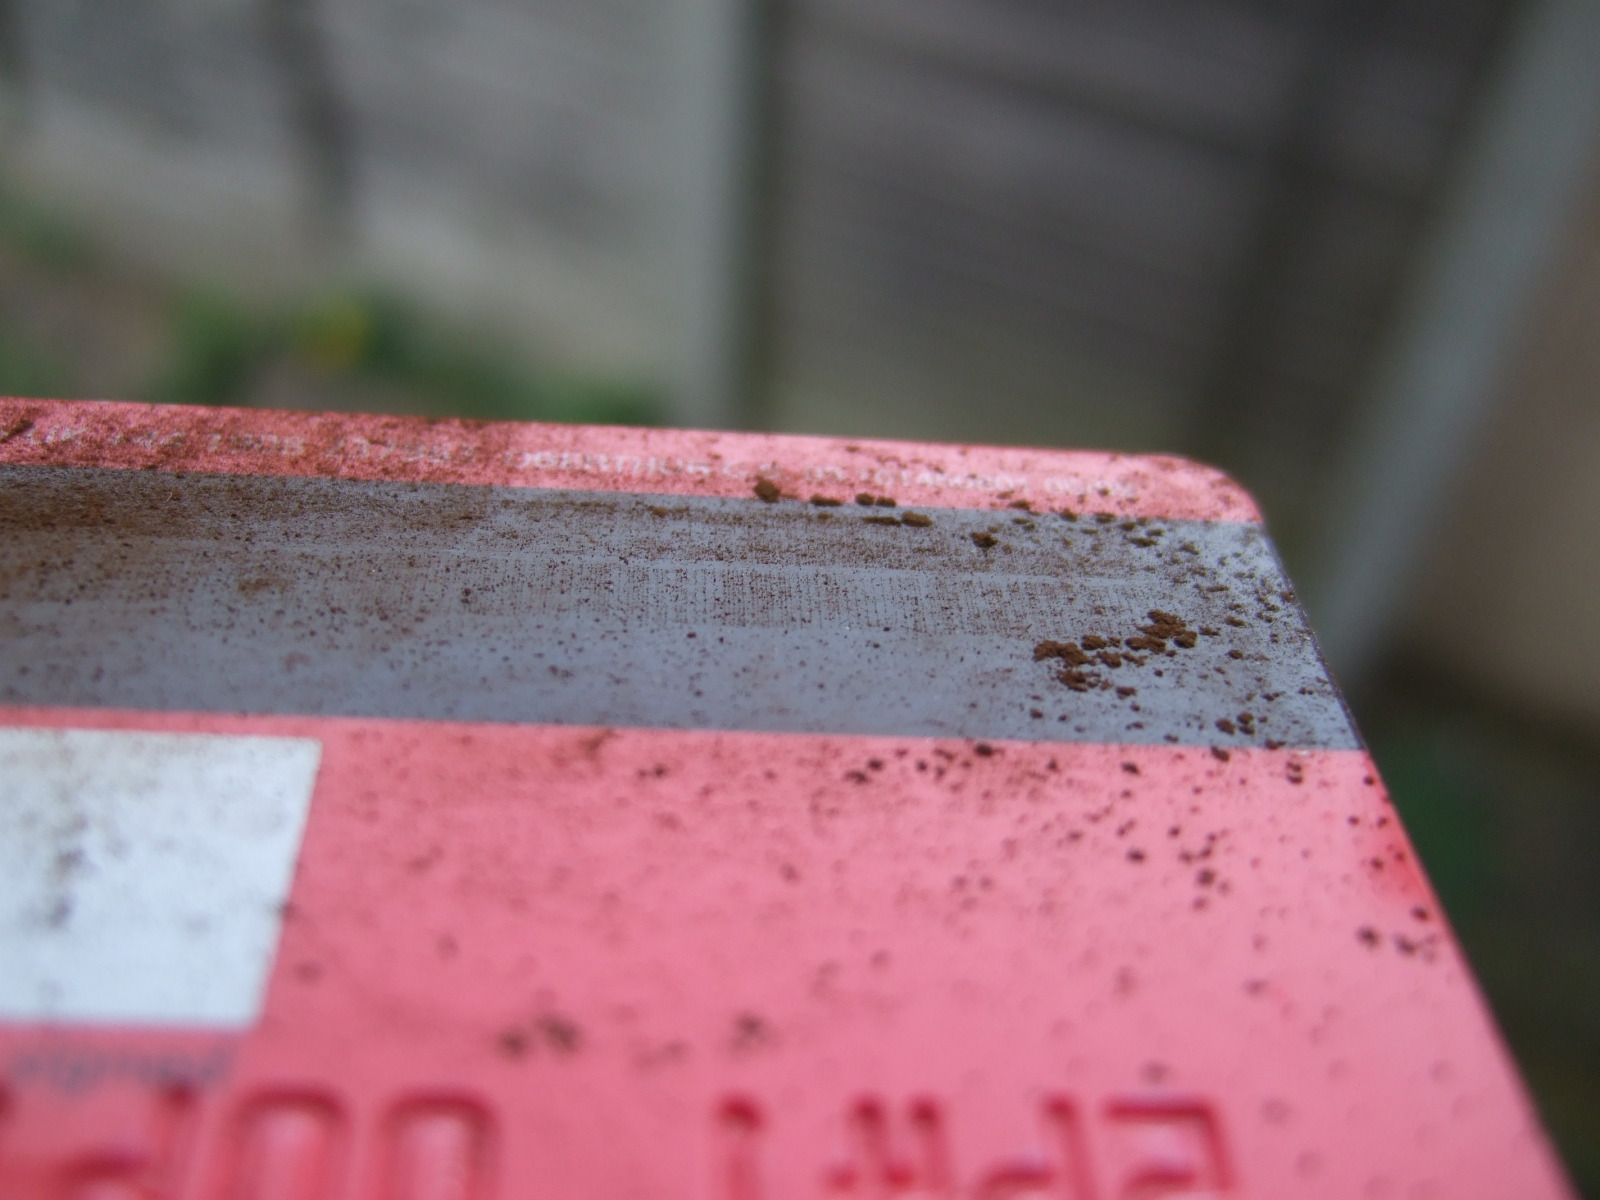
219,346
219,343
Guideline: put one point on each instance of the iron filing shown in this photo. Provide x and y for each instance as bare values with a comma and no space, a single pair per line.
428,810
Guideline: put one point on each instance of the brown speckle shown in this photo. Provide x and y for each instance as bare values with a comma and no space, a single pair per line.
560,1033
1068,652
750,1032
766,491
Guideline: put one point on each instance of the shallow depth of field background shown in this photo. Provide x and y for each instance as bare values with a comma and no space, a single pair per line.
1347,249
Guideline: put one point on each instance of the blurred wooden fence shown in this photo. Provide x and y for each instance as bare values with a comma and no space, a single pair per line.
1132,220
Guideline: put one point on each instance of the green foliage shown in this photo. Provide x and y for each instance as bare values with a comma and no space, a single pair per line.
43,234
28,370
379,336
1447,810
217,347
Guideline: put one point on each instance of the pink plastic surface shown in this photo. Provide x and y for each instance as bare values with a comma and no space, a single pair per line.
535,961
664,461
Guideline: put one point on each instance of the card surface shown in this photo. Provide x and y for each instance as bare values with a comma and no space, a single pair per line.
451,811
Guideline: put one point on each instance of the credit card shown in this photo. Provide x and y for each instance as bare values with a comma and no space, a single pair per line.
396,809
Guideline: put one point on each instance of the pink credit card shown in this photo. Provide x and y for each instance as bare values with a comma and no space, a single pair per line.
426,810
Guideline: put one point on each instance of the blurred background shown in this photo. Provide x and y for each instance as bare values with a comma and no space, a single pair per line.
1347,249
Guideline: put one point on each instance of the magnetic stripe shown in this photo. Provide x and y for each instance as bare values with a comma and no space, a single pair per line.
340,597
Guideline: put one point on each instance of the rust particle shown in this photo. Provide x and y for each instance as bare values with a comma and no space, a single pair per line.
750,1030
1068,652
560,1034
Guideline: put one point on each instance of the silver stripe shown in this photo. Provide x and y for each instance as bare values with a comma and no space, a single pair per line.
284,595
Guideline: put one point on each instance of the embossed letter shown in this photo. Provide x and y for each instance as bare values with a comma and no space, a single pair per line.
1166,1149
